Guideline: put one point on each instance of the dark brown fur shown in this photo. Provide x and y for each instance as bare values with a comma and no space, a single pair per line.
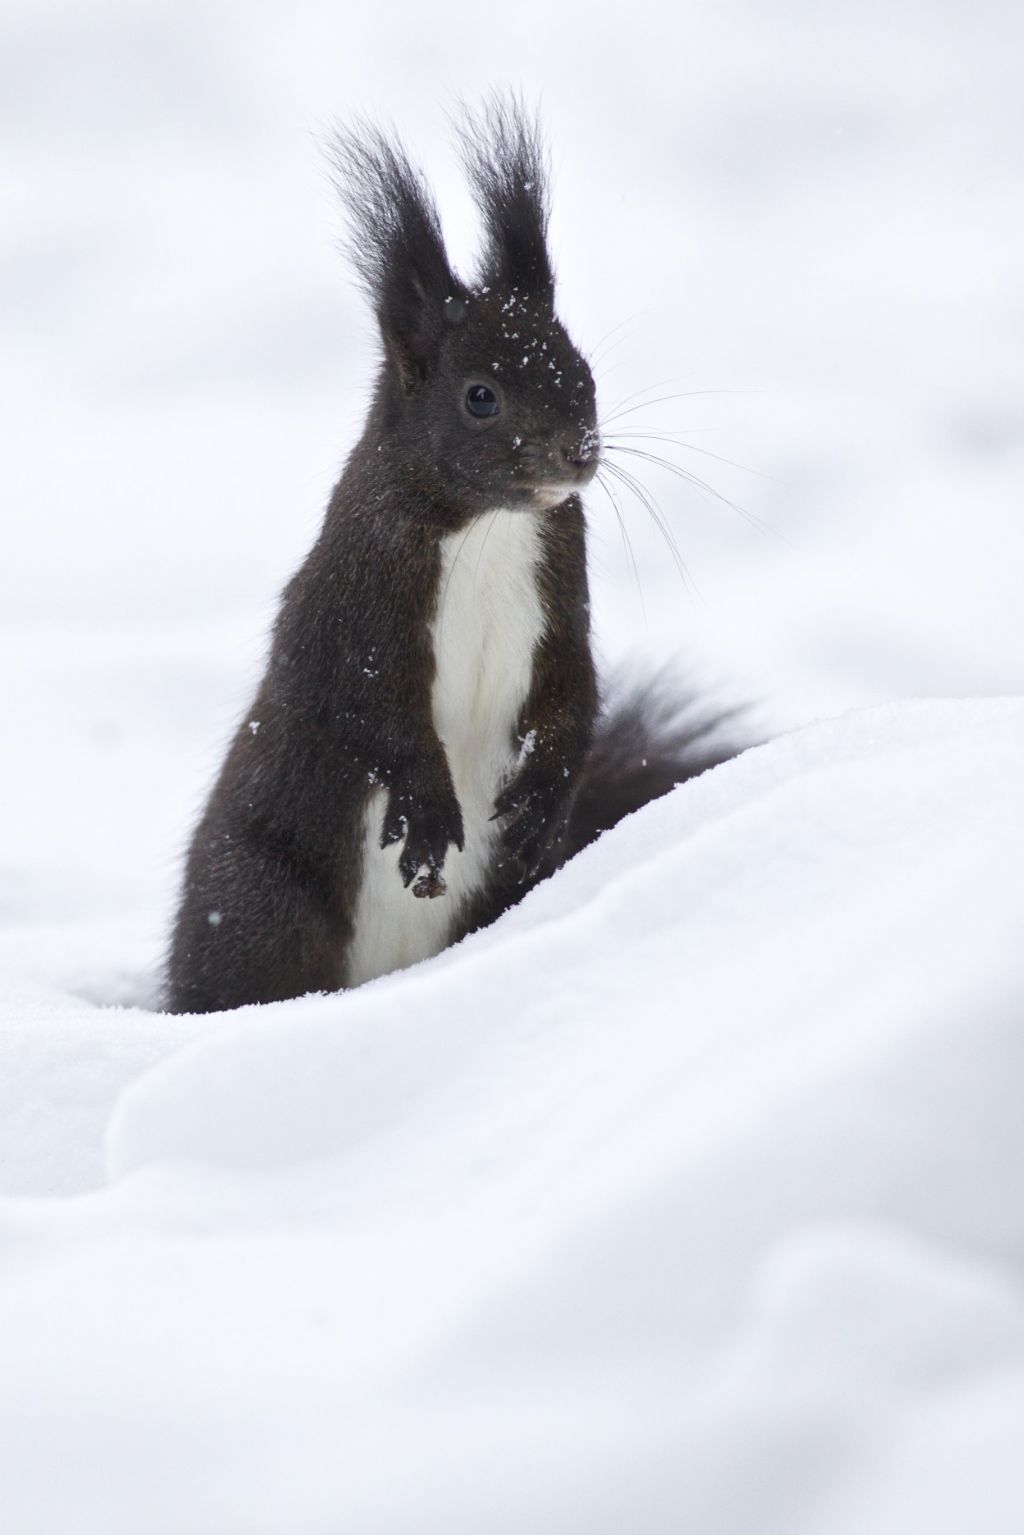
344,707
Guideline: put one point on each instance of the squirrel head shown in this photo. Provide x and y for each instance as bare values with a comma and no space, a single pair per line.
481,390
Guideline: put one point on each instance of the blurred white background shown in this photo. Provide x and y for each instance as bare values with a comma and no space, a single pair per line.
816,210
804,221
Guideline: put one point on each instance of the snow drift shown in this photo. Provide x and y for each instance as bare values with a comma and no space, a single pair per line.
685,1197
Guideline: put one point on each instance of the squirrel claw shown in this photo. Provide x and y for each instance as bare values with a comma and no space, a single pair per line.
429,885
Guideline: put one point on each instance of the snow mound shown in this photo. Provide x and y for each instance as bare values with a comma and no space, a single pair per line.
684,1198
864,869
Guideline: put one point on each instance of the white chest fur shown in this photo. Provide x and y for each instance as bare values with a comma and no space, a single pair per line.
488,621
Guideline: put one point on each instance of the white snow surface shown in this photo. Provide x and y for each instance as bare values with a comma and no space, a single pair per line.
688,1197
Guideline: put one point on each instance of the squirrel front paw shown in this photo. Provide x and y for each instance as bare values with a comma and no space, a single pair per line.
537,803
430,824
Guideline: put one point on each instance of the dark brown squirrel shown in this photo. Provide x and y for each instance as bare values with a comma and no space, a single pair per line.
427,741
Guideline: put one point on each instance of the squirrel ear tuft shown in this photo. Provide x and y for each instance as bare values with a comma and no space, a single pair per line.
506,161
395,244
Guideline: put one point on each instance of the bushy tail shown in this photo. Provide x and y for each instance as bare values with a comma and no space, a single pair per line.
647,741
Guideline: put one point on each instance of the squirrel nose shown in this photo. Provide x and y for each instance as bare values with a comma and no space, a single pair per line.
583,452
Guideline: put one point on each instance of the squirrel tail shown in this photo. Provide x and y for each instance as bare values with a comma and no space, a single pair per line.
646,742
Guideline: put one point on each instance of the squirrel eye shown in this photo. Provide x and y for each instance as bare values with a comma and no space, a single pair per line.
481,401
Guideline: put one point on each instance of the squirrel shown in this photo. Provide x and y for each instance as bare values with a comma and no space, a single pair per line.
427,741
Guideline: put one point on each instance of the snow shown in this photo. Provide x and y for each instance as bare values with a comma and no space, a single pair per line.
687,1197
453,1222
